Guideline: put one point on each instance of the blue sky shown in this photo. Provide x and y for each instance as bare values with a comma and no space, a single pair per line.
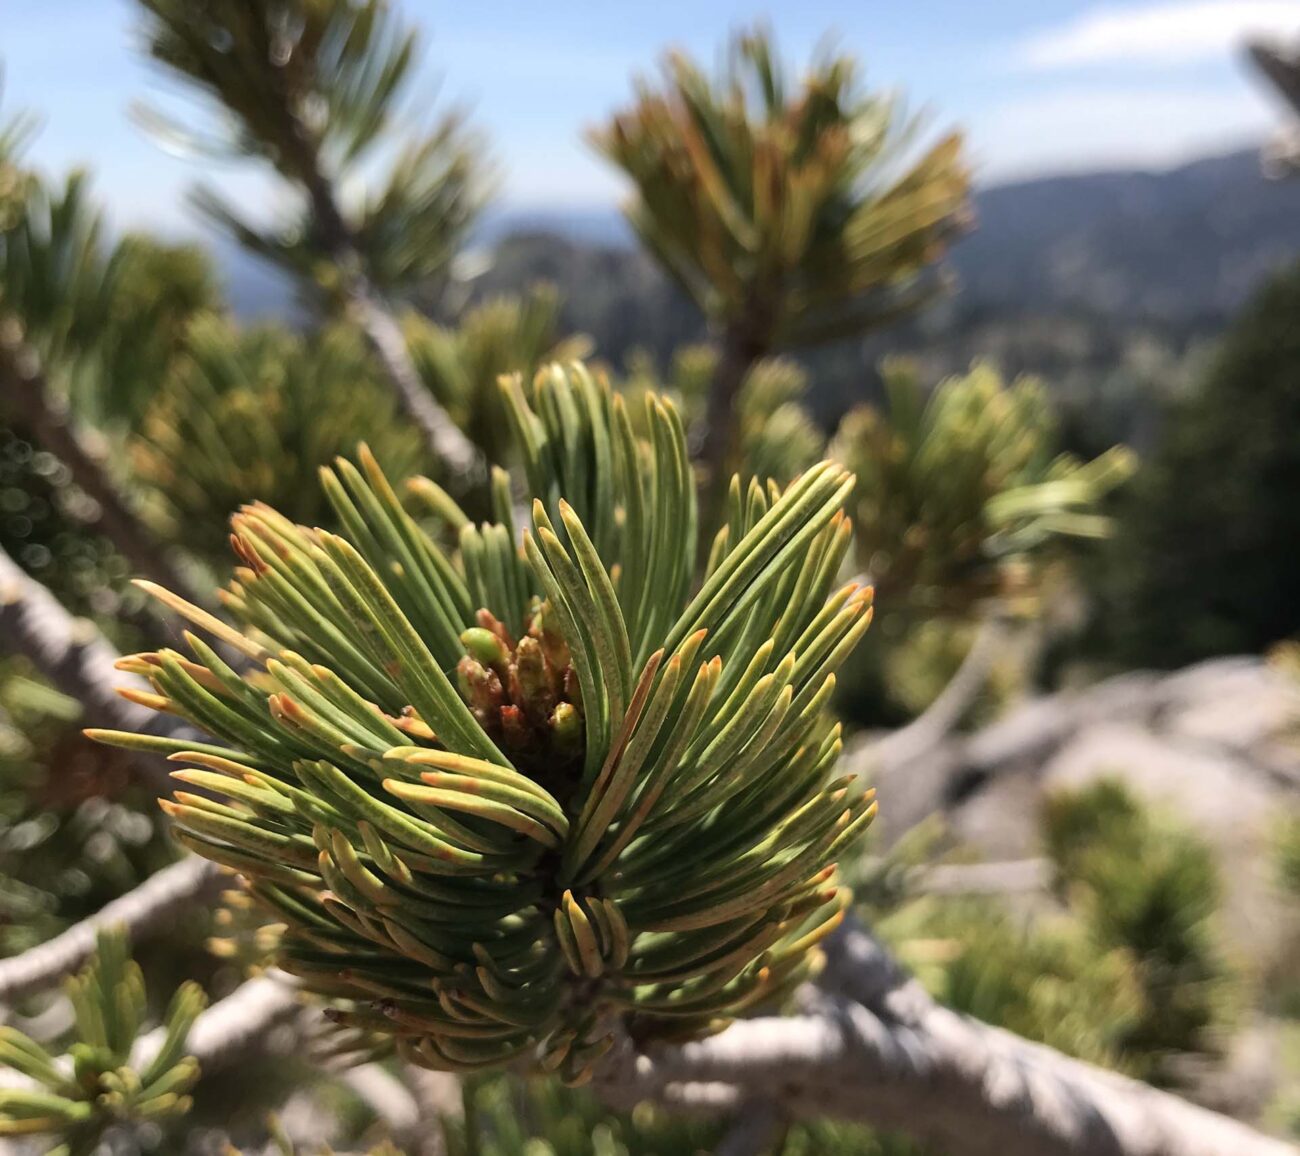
1040,85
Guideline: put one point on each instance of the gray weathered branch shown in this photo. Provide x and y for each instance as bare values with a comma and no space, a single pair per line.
235,1026
1025,737
391,1100
228,1031
147,908
756,1129
375,318
1006,877
79,661
1280,65
919,737
874,1047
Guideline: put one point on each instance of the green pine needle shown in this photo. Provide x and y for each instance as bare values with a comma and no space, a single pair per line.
510,797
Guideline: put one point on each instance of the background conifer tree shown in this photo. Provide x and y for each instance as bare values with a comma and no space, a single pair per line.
311,88
790,212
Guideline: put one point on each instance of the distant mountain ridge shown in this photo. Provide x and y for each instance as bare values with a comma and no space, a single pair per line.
1178,244
1184,245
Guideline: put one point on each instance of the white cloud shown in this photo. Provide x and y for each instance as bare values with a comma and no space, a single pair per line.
1083,127
1162,34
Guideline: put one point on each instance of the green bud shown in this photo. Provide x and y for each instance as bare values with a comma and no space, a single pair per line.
485,646
566,727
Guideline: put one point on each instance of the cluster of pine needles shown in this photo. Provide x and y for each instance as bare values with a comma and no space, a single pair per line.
512,801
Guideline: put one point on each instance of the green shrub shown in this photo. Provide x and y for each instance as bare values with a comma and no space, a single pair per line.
1151,890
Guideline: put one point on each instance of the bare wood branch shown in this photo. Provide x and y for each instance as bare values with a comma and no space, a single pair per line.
998,878
757,1129
1025,736
440,1097
79,661
1280,65
948,1081
235,1026
391,1100
239,1025
876,1048
375,318
142,911
227,1031
919,737
441,434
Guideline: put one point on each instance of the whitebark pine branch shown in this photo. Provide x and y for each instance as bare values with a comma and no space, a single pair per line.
147,908
79,661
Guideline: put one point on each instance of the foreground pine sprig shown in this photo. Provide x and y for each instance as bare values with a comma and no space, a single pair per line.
506,800
97,1084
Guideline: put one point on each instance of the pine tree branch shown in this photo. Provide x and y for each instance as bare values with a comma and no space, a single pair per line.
950,1081
271,80
27,398
79,661
873,1048
443,437
375,318
147,908
919,737
876,1048
236,1026
738,354
1280,64
998,878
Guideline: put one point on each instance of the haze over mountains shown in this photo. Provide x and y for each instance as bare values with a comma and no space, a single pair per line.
1183,246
